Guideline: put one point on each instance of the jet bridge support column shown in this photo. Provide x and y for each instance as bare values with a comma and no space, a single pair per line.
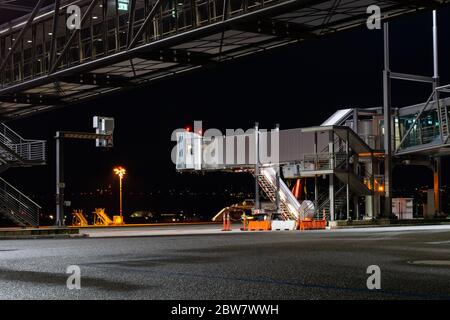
59,182
388,134
347,152
437,185
257,202
436,83
277,176
331,176
316,187
356,171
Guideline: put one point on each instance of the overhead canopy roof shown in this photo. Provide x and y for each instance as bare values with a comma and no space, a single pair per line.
116,50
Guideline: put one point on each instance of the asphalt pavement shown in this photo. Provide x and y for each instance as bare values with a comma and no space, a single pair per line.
414,264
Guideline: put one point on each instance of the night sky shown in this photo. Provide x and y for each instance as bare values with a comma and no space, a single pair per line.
296,86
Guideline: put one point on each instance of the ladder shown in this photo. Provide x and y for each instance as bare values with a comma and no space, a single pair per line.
443,118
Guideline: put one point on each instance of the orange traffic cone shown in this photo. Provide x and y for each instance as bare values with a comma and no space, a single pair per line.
245,223
226,222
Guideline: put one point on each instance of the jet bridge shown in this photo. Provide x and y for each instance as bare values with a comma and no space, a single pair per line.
344,157
332,151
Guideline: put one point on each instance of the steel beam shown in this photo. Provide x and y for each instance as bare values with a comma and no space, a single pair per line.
411,77
72,37
257,169
18,40
277,28
54,30
179,56
16,7
141,30
131,16
30,99
97,79
387,125
60,186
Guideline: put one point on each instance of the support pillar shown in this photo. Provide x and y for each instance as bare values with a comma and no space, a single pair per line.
59,182
331,179
347,152
437,185
356,207
277,177
388,134
316,186
257,202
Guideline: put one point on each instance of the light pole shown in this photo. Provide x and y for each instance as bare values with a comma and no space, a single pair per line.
120,171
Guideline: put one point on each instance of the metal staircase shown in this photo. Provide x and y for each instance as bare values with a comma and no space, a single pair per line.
17,207
355,182
324,203
289,205
16,151
19,152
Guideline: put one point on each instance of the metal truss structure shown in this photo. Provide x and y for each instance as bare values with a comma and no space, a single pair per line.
127,43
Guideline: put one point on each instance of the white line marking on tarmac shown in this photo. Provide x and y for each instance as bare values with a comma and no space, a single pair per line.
432,262
439,242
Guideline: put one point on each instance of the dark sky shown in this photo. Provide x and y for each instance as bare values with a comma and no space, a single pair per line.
296,86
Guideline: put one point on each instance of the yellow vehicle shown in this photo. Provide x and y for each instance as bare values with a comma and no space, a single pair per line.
101,218
78,219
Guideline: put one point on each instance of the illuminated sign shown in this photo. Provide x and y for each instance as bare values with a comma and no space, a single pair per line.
123,4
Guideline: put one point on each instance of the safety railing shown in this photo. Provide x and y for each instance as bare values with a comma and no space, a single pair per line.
17,205
107,33
371,140
323,161
27,150
323,203
421,135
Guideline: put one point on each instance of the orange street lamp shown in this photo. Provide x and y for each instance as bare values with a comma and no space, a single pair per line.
120,171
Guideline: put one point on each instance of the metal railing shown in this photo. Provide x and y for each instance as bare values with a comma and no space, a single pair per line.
417,135
27,150
371,140
421,135
17,205
324,202
322,161
109,33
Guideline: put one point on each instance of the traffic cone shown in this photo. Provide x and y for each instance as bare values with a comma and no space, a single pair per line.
226,222
245,223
